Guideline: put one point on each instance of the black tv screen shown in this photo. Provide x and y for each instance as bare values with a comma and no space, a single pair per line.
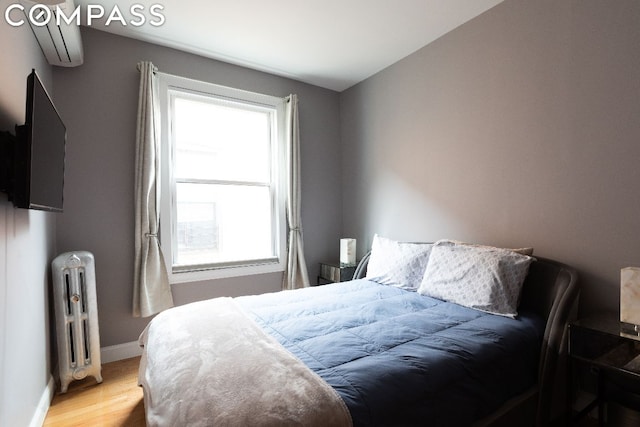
39,152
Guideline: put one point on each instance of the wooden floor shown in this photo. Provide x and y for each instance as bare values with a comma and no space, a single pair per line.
117,401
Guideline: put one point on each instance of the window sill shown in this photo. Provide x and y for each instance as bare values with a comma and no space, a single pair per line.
226,272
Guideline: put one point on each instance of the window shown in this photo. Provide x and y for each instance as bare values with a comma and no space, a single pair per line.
222,210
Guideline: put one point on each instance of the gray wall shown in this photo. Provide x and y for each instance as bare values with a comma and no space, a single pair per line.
521,127
99,101
27,246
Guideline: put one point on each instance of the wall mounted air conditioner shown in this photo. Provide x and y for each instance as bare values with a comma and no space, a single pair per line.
61,44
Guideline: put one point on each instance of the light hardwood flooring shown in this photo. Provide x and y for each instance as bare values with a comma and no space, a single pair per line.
117,401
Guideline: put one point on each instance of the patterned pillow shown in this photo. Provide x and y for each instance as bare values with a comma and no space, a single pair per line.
523,251
397,264
484,278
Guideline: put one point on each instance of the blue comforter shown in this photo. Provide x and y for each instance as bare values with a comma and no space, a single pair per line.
400,358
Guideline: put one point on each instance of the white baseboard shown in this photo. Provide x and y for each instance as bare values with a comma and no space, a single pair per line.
113,353
43,405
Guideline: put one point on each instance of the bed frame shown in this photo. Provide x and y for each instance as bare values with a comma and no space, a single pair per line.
551,290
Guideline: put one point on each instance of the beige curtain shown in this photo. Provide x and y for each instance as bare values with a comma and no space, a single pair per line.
151,288
295,275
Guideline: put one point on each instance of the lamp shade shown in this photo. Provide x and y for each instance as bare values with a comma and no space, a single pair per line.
348,251
630,296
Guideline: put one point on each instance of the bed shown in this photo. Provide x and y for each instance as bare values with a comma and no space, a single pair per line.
382,349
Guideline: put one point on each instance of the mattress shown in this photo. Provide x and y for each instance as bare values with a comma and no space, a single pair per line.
400,358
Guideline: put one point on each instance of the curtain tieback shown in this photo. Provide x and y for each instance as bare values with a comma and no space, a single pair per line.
151,235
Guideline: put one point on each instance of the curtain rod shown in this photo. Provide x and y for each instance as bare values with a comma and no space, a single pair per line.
158,72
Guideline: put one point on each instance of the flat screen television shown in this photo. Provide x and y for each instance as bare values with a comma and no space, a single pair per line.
38,153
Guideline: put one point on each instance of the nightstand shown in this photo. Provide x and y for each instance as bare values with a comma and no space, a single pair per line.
613,355
331,272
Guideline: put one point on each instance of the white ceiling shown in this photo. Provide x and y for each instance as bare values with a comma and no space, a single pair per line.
329,43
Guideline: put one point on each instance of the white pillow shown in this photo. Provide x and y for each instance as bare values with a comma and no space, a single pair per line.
484,278
523,251
397,264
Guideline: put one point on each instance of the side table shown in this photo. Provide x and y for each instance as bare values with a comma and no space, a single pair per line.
331,272
613,354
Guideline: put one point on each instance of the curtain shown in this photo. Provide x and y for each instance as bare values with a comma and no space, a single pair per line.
151,288
295,274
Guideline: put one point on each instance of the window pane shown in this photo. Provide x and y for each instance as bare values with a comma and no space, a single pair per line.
223,223
219,142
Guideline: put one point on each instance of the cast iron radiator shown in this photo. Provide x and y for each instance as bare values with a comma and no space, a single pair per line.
74,290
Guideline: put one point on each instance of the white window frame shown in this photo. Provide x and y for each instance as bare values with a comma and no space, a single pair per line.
170,84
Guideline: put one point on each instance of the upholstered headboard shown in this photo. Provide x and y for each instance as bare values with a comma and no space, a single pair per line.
551,290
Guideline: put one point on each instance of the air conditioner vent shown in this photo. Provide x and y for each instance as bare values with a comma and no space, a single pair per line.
61,44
